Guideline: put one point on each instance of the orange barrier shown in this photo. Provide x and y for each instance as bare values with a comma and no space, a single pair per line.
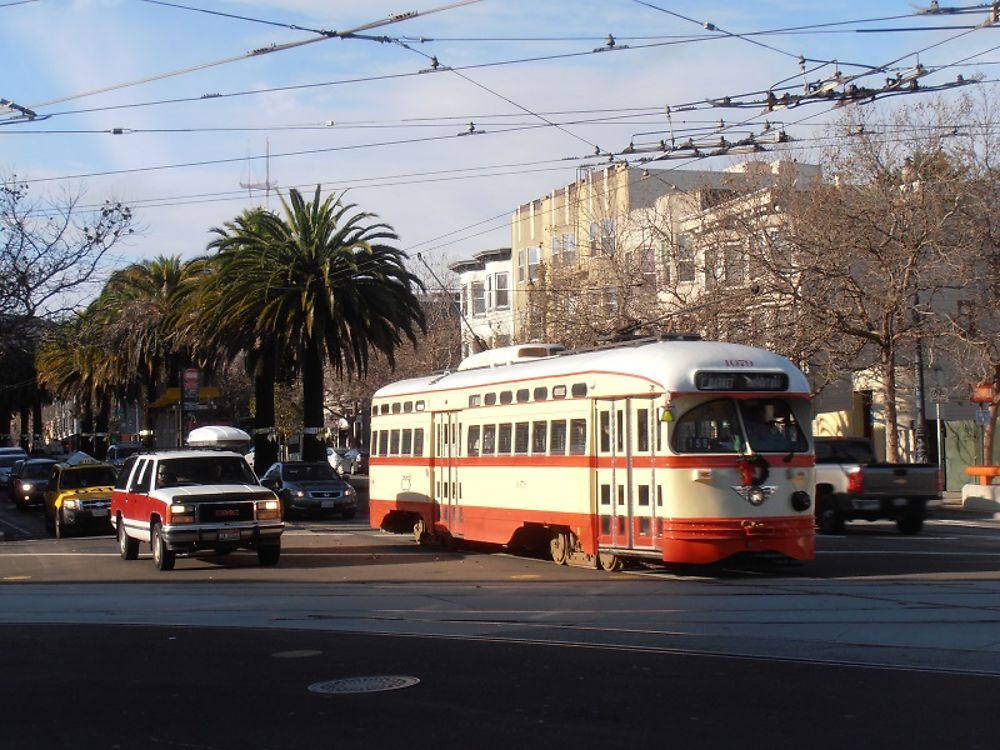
985,473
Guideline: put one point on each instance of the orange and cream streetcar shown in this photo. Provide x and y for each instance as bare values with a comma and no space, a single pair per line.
667,449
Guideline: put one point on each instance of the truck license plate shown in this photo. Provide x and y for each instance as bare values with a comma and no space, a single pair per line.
226,535
99,512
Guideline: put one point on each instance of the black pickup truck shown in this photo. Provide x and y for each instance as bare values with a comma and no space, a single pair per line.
852,485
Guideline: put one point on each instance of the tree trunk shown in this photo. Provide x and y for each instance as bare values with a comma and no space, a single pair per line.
891,416
265,444
313,446
149,415
103,427
37,439
25,432
87,428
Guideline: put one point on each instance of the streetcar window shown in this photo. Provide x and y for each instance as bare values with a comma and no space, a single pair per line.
489,439
396,407
407,407
771,426
506,397
559,391
523,395
491,399
503,438
407,446
659,436
521,437
708,428
420,406
374,411
579,390
418,442
384,409
383,443
539,432
620,431
475,400
541,394
605,494
557,445
374,442
578,437
642,430
621,494
394,443
644,526
472,448
659,496
605,417
644,494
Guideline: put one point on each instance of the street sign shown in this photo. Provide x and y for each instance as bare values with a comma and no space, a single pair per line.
982,415
982,393
939,395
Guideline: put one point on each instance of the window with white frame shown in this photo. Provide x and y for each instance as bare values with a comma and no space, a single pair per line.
734,264
569,248
593,238
607,236
478,298
533,263
501,287
685,258
520,266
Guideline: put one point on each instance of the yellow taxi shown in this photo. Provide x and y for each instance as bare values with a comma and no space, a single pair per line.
78,497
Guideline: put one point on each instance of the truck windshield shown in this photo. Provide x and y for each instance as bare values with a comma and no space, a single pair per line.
222,469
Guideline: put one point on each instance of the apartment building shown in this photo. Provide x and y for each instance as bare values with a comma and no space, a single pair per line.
487,312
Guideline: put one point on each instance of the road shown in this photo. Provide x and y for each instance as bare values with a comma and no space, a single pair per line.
884,640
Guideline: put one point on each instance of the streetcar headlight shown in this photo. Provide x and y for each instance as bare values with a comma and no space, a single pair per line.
801,500
756,496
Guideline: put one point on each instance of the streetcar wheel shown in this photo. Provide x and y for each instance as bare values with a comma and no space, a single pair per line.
269,555
127,546
611,563
163,558
419,531
559,547
910,523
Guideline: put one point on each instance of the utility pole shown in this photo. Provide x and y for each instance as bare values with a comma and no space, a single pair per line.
266,185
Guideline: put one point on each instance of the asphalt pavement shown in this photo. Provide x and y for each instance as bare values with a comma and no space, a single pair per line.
94,687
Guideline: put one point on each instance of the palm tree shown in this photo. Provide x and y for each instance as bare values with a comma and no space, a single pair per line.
322,285
138,309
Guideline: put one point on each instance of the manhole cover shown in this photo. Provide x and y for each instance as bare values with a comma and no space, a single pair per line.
375,684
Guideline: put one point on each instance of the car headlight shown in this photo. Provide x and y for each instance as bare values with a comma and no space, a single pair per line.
349,491
299,493
27,487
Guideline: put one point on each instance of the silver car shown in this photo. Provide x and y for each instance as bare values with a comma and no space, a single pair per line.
310,487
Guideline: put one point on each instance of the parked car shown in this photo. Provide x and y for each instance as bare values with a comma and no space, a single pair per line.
118,452
347,460
852,485
14,477
32,482
310,487
7,460
78,497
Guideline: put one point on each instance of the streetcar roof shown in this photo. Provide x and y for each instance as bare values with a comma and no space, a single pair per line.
669,365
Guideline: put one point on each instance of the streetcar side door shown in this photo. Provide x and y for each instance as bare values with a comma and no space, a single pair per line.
612,486
447,488
625,487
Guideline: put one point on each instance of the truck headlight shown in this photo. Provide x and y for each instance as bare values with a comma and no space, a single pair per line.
268,510
71,504
180,514
27,487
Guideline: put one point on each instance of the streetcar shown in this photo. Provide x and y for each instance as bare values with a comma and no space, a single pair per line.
669,449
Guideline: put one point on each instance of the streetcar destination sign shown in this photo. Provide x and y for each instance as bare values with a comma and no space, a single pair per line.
741,381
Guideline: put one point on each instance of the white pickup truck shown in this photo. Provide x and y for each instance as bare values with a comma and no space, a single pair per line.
852,485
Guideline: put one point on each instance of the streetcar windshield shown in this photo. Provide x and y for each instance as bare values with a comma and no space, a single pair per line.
727,426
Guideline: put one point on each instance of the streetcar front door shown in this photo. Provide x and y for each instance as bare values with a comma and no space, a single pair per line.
447,489
625,486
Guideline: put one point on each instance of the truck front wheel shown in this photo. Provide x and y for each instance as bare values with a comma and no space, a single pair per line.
163,558
828,519
910,523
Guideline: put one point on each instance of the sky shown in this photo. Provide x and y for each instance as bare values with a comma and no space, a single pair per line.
442,121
